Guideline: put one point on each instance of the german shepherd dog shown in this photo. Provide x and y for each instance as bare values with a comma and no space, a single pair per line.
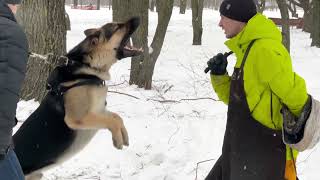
74,108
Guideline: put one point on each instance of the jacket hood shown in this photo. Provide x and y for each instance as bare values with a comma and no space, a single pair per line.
6,12
258,27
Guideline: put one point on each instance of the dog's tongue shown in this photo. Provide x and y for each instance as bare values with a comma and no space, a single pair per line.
129,51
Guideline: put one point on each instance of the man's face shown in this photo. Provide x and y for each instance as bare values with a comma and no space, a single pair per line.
231,27
13,7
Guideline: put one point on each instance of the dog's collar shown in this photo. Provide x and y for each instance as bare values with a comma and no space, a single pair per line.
60,89
70,62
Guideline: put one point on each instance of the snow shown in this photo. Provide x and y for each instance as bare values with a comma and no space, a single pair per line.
167,140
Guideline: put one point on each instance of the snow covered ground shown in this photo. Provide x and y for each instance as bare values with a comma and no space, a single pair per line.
167,140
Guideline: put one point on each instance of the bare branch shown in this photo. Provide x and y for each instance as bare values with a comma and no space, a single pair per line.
168,89
123,94
110,85
179,101
296,3
208,98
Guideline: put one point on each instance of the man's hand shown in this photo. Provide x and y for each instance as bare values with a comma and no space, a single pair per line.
218,64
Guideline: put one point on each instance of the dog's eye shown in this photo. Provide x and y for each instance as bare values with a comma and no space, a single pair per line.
108,34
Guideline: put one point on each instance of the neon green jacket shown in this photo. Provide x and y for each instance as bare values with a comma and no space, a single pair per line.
268,74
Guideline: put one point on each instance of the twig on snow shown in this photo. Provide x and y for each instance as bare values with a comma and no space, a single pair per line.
198,166
123,94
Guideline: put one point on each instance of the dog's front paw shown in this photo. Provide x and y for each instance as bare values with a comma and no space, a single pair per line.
119,133
120,138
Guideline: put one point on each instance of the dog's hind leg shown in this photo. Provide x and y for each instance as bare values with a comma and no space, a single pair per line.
107,120
34,176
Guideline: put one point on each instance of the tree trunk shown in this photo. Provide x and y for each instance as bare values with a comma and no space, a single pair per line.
285,23
45,25
121,10
140,39
142,67
152,5
183,6
307,20
110,4
164,15
197,9
157,5
316,24
307,16
98,4
75,3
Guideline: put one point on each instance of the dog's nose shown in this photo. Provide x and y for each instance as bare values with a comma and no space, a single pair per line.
133,23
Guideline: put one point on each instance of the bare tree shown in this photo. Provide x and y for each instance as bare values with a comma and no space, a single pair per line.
142,67
315,34
183,6
45,25
283,6
307,16
164,15
197,9
293,9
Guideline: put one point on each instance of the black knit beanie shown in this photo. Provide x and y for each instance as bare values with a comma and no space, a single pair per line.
239,10
13,1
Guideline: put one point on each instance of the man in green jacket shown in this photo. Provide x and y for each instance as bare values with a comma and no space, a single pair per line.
263,80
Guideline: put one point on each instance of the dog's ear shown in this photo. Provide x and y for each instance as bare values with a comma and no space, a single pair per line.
89,32
94,41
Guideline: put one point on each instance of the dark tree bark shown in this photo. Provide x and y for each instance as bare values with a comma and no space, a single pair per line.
121,10
75,3
98,4
45,24
285,23
315,34
197,9
307,20
152,5
183,6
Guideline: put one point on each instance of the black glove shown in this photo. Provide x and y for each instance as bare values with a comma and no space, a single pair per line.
293,127
218,64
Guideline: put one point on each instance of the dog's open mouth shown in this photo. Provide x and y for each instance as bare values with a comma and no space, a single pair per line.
125,49
130,51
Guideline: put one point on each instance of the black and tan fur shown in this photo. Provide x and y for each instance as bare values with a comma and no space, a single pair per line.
62,125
